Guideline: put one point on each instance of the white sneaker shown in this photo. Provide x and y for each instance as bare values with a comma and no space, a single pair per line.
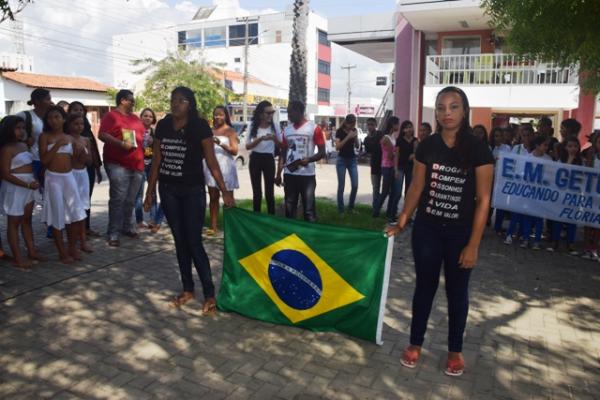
536,246
587,255
524,244
508,240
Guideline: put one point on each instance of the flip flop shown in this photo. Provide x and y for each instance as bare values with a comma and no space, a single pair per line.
410,357
455,367
181,299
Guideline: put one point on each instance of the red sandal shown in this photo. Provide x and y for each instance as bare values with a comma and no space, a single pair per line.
410,357
455,366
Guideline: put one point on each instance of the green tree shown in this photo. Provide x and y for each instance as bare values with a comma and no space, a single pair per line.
172,71
564,31
298,58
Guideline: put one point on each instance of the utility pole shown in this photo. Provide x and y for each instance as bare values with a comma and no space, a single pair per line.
348,86
246,21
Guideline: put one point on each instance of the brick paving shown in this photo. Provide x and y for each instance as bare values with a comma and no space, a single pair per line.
101,330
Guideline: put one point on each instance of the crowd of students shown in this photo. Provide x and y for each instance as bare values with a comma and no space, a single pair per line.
49,155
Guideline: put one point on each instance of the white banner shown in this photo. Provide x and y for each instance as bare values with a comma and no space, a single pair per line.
548,189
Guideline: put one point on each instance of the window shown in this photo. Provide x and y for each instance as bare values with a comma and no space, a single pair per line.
461,45
187,39
237,34
324,67
323,95
323,38
214,37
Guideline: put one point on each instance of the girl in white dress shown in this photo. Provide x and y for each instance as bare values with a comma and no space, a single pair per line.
63,207
18,189
226,148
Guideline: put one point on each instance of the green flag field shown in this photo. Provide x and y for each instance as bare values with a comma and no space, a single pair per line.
314,276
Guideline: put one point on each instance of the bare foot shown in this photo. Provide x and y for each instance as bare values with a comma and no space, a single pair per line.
86,248
75,254
22,264
155,228
67,259
37,257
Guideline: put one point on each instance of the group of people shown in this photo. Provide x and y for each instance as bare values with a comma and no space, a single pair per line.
524,140
55,150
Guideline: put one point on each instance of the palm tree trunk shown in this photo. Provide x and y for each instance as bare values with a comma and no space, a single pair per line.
298,59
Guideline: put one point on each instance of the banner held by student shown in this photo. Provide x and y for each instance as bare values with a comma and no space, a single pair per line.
318,277
547,189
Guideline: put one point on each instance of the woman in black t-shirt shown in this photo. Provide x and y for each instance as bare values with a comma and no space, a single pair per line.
451,186
182,141
346,140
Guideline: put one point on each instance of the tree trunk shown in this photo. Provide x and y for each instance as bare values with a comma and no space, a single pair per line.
298,59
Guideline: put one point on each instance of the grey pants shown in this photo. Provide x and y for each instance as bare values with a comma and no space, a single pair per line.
124,186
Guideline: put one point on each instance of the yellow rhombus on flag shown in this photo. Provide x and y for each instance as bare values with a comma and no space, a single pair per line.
330,293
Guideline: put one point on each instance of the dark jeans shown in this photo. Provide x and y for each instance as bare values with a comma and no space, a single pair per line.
184,207
529,223
499,219
303,186
156,212
557,228
387,189
434,245
396,195
341,165
262,163
376,184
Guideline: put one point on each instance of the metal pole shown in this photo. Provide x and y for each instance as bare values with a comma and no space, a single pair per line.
348,86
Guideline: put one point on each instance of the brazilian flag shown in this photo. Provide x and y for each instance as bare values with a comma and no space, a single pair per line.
318,277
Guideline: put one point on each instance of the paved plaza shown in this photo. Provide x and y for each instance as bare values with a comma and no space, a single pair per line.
101,329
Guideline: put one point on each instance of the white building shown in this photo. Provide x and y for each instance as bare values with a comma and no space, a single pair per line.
439,43
216,35
16,88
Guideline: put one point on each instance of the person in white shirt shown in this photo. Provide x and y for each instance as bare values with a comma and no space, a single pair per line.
264,140
298,158
34,125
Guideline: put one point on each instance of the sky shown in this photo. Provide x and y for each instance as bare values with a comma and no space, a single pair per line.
74,38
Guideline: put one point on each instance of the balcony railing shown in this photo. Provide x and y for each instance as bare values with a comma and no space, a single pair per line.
495,69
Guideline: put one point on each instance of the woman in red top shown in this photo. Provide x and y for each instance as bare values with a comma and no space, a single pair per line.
122,133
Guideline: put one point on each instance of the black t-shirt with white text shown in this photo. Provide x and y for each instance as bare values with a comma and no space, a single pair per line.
181,151
449,193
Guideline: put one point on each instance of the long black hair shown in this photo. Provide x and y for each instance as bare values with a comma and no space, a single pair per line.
405,124
86,124
226,112
462,136
389,124
59,110
7,129
260,108
188,94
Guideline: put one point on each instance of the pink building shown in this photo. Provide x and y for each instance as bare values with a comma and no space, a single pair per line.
440,43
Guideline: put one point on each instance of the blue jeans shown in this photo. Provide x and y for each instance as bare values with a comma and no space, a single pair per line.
124,186
499,220
516,219
434,245
376,184
341,165
156,212
185,207
396,195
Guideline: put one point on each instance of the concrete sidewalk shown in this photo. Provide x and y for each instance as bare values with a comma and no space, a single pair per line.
102,330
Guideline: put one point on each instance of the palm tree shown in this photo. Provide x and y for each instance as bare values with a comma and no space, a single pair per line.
298,59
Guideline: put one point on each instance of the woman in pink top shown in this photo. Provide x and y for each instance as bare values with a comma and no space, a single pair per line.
387,163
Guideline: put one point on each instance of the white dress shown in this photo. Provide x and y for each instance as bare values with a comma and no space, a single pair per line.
227,165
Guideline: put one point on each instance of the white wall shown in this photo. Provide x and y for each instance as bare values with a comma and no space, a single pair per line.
532,97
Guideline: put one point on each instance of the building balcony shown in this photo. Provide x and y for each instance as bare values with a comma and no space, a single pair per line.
495,69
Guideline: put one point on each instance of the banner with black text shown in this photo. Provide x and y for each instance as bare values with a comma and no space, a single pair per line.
548,189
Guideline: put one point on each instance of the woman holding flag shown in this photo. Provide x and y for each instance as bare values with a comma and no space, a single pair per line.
451,187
